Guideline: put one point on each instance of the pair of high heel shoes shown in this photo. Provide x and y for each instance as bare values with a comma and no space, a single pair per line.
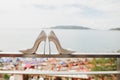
51,37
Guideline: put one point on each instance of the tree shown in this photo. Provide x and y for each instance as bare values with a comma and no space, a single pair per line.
6,76
104,64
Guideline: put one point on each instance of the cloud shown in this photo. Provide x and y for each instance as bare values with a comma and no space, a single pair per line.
95,13
2,12
85,11
40,6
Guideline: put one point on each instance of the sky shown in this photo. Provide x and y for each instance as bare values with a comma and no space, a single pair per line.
96,14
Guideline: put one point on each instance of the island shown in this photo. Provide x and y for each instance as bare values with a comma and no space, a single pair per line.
115,29
70,27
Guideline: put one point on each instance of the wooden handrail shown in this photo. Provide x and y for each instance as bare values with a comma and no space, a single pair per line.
73,55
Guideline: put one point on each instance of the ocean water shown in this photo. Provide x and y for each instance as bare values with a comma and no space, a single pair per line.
96,41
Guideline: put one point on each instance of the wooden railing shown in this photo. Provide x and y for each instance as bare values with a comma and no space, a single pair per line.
73,55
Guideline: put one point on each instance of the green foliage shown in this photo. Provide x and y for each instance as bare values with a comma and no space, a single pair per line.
104,64
6,76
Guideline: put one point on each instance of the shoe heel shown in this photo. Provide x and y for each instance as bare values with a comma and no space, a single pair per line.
44,47
49,48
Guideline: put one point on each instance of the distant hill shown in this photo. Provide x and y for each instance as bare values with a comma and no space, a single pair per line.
115,29
70,27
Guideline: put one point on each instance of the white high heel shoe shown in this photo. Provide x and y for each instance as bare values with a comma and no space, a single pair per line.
52,37
42,37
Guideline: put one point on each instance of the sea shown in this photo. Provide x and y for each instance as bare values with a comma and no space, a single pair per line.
82,41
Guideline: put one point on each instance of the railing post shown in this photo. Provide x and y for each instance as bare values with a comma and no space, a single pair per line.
118,68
